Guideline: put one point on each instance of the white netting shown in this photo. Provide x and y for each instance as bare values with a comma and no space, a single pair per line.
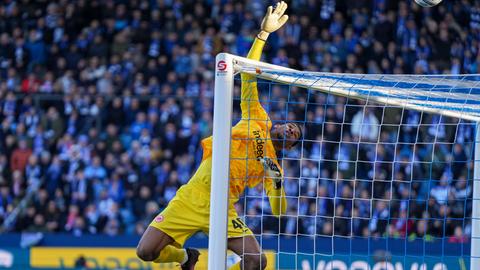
373,181
452,95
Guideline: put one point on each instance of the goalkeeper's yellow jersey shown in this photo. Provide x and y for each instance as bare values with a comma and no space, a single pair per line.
250,143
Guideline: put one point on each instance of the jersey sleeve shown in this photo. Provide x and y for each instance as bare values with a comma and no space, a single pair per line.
250,103
277,198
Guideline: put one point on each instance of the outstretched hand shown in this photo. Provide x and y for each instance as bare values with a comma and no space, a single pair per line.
275,18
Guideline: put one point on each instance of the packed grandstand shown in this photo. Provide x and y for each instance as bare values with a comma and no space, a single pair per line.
103,105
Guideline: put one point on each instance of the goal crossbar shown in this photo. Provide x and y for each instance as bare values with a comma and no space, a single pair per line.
450,95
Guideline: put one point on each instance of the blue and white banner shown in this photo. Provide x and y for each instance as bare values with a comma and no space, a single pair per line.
338,262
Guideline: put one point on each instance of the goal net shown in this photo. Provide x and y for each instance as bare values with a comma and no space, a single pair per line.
384,177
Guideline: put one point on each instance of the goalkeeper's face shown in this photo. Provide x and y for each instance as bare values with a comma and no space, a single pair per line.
285,136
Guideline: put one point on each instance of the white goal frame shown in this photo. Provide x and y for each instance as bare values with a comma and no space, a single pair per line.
226,67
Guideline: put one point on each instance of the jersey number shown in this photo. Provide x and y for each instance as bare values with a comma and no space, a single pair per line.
238,224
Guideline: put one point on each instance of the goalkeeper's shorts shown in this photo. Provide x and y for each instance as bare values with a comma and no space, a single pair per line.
189,212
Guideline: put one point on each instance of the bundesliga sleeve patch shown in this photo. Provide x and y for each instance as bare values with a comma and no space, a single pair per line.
159,219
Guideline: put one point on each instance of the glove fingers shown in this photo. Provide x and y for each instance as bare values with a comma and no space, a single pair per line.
269,10
283,19
278,8
283,6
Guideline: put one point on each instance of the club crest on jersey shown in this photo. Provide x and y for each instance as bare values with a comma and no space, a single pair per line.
159,218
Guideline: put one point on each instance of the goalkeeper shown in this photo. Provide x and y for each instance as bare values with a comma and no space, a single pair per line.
254,145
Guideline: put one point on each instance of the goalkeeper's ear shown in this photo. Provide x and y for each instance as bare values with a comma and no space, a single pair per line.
300,129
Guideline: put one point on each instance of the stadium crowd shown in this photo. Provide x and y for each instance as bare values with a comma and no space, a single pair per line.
103,105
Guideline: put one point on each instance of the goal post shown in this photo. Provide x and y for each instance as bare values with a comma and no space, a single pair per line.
475,238
455,96
226,66
222,126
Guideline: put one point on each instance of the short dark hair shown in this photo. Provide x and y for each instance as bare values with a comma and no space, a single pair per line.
301,132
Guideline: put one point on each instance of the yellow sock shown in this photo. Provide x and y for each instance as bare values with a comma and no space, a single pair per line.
235,266
171,254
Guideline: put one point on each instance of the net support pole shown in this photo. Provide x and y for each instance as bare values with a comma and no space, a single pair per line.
475,247
222,127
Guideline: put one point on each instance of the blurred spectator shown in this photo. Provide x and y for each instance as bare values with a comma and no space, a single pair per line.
20,156
458,236
365,125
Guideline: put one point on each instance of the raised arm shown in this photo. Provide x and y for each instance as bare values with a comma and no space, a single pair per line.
273,20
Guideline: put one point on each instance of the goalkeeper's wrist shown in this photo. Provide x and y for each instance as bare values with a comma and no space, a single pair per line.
263,35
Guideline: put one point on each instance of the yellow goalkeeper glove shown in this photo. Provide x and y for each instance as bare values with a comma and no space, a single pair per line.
273,20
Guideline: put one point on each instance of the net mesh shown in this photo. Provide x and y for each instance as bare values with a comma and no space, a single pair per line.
374,182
